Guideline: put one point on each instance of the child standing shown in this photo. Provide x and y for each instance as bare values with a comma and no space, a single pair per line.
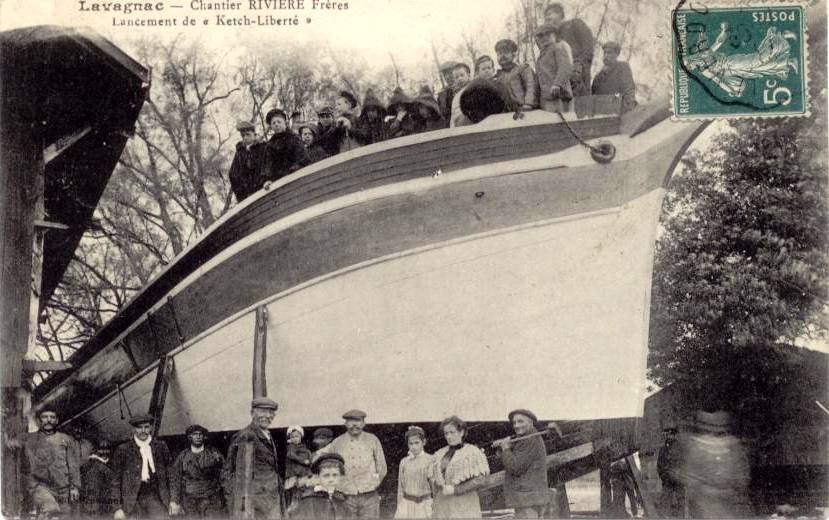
414,494
324,501
297,463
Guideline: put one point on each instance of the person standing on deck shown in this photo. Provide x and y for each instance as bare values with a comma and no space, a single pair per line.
53,477
446,95
580,39
526,488
325,131
96,482
308,134
265,486
246,169
616,78
365,466
284,151
369,128
555,68
400,110
457,472
484,67
461,75
520,79
140,486
195,478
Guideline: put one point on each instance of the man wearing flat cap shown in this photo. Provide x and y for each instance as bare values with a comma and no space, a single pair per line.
446,95
365,466
195,478
246,168
525,467
616,78
519,79
325,131
555,70
264,490
140,484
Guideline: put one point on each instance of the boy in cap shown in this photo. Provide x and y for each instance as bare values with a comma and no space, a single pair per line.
555,67
264,494
365,466
284,151
325,135
579,38
195,478
414,492
246,169
53,478
446,95
518,78
96,482
324,501
615,78
525,467
460,79
484,67
140,485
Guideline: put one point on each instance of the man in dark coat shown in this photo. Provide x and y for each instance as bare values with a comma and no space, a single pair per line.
401,110
615,79
96,482
245,170
324,502
195,478
369,128
284,151
446,95
520,79
580,39
53,477
345,131
325,135
264,499
525,467
668,462
140,484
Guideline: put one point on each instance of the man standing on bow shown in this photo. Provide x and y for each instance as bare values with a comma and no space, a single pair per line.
195,477
53,478
580,39
446,95
264,489
365,466
140,485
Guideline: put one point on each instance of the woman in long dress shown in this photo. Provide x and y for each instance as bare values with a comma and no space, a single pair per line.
457,472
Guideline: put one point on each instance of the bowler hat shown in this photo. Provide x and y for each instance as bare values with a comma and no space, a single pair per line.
355,414
323,433
193,428
328,457
525,413
719,421
264,402
352,100
506,44
139,419
244,126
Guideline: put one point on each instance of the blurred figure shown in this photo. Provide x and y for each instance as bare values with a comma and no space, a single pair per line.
579,38
447,95
96,482
616,78
325,131
322,438
714,468
369,128
667,466
399,110
555,67
425,112
621,487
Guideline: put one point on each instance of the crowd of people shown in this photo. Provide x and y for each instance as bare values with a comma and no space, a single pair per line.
562,74
339,478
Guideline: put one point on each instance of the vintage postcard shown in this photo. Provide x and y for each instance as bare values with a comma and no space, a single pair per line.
414,259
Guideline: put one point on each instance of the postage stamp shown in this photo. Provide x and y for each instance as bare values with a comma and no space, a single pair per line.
747,61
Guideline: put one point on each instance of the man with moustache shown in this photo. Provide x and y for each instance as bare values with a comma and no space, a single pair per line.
525,468
195,477
520,79
365,466
140,485
53,479
265,487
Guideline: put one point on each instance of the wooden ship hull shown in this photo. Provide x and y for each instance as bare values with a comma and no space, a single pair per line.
466,271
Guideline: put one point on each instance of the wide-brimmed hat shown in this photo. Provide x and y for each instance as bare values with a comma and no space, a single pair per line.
398,97
427,99
719,421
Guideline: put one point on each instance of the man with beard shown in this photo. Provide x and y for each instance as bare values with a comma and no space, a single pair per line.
53,478
96,482
365,466
446,95
254,442
140,486
246,169
520,79
615,79
195,477
580,39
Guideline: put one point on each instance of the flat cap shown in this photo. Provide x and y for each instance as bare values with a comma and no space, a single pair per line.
323,433
447,65
264,402
506,44
143,418
545,28
243,126
525,413
355,414
611,45
196,428
328,457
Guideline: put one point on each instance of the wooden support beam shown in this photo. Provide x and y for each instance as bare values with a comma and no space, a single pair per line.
554,460
159,395
242,508
260,353
605,492
52,151
31,366
641,488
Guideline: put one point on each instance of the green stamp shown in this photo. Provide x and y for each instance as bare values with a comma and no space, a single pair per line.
739,61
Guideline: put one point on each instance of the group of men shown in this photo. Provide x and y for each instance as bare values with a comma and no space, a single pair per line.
562,73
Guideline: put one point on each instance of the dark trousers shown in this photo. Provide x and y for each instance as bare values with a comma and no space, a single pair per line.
212,506
149,504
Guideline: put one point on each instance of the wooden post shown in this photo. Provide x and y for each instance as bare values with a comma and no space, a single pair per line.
260,353
242,506
159,396
605,496
641,488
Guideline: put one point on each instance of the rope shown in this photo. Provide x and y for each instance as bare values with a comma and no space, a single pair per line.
604,153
